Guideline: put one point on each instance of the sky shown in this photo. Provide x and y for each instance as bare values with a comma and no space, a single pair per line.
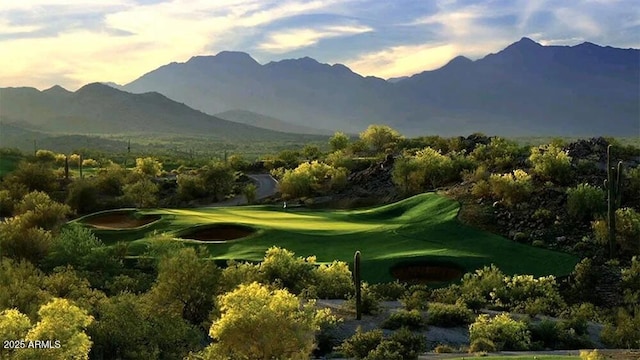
75,42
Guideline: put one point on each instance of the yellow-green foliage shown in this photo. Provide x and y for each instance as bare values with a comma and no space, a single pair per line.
338,141
141,193
627,230
505,332
148,166
312,178
89,163
591,355
584,201
550,162
45,155
380,138
259,323
333,281
511,187
61,323
625,331
500,154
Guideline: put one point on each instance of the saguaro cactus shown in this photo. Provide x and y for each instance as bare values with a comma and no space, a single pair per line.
358,284
66,167
80,165
613,186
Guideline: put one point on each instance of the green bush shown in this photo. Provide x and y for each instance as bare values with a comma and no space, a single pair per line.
370,302
404,318
411,345
627,230
525,293
624,332
546,333
282,268
333,281
311,178
500,154
550,162
584,201
482,345
361,343
389,291
416,298
190,187
443,349
239,273
83,196
447,315
512,188
476,288
505,332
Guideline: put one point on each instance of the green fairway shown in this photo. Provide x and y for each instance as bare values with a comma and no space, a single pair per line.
521,357
421,228
8,163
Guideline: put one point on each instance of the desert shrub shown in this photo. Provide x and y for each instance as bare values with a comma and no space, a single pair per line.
142,193
90,163
35,177
411,319
505,332
411,345
500,154
476,287
525,293
448,315
550,162
370,302
434,168
45,156
416,297
631,282
591,355
110,180
388,291
148,166
339,141
631,192
448,295
281,268
20,240
546,333
6,203
361,343
624,331
443,349
627,230
190,187
237,273
36,209
339,159
333,281
584,201
542,214
512,188
82,196
482,345
311,178
481,189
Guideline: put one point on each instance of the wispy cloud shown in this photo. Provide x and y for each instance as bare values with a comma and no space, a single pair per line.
79,41
291,39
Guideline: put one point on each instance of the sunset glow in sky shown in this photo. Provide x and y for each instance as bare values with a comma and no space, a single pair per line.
74,42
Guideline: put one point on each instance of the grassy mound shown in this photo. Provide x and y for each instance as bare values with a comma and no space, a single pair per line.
423,228
119,219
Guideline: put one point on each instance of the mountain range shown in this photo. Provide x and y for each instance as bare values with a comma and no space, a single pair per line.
526,89
98,109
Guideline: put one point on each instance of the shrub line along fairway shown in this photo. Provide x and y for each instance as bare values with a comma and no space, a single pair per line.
421,228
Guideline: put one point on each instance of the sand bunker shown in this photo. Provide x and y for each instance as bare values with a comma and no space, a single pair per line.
120,220
219,232
426,272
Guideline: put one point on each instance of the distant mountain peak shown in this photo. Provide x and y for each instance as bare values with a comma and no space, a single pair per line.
459,60
97,88
524,44
226,57
57,89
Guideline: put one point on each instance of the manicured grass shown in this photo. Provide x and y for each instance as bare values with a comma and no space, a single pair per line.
522,357
423,227
8,163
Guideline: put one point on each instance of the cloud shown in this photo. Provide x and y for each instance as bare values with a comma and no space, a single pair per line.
402,60
290,39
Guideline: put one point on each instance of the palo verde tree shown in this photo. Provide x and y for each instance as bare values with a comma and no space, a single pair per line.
380,138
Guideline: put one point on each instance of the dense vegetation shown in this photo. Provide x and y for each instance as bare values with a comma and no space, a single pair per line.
139,294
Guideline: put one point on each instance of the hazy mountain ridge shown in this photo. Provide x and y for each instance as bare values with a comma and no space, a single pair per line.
525,89
267,122
100,109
